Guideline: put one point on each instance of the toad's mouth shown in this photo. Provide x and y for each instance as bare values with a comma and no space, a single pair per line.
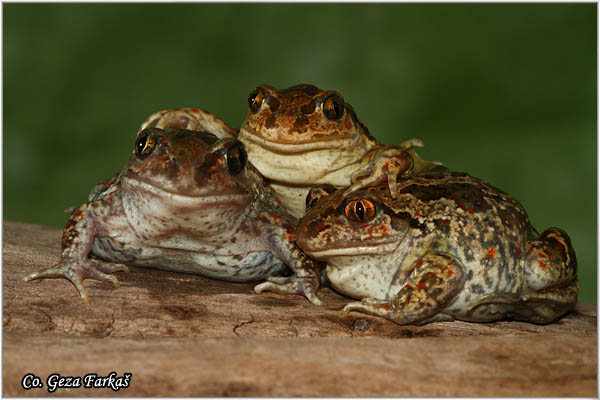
136,184
379,249
312,143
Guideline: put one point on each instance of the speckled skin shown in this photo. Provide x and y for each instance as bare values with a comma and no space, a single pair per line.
449,246
187,201
303,136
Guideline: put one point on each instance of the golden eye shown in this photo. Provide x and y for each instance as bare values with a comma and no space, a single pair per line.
236,158
145,145
255,100
333,107
361,210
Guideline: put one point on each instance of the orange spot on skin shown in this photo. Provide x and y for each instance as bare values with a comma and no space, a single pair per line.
471,211
79,213
383,230
385,307
370,231
445,221
289,238
420,285
407,286
542,255
491,252
418,214
195,110
387,165
450,272
543,266
420,264
517,251
462,206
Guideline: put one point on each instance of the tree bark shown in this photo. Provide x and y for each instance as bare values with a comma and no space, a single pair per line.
185,335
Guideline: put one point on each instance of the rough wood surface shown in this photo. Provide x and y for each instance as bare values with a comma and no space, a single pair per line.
184,335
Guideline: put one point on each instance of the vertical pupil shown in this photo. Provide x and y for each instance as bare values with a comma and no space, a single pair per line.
360,210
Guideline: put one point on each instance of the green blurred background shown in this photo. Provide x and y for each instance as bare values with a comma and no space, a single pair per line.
506,92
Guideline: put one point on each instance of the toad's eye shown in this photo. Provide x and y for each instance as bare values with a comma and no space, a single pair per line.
145,145
333,107
361,210
236,158
255,100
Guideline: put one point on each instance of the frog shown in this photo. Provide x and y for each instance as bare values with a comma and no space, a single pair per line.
186,201
449,247
304,136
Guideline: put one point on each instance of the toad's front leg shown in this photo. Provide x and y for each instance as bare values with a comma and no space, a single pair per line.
306,277
435,280
75,265
387,162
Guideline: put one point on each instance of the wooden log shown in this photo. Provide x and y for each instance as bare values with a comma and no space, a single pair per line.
185,335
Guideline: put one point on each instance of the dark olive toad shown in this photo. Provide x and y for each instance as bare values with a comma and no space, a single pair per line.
447,246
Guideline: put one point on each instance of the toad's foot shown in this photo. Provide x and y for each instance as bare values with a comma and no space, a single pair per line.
410,143
420,164
386,163
77,271
383,308
193,119
370,306
293,284
547,305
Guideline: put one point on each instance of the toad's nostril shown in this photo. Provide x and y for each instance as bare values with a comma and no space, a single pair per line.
309,108
273,102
